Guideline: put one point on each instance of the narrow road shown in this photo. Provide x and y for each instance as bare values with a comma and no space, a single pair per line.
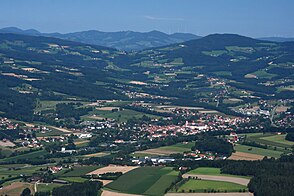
242,181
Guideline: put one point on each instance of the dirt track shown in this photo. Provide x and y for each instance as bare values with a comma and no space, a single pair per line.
242,181
208,194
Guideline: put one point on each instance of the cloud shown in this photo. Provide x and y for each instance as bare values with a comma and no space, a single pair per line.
163,19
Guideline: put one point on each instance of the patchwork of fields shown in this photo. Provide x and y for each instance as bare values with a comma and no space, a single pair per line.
166,150
210,185
145,180
276,146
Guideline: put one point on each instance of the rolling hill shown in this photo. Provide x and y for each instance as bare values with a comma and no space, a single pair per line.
217,67
123,40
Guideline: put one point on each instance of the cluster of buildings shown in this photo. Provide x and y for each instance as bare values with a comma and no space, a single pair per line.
6,124
153,160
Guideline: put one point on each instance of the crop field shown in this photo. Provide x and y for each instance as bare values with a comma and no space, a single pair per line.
112,168
258,151
208,185
166,150
16,188
206,171
245,156
279,140
73,179
276,145
98,154
211,171
145,180
270,139
79,171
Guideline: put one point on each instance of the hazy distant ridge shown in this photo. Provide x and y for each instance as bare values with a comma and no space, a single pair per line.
122,40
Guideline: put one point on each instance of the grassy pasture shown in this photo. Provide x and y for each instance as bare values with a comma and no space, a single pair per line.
5,172
31,155
166,150
73,179
259,151
205,171
123,115
211,171
206,185
76,172
280,139
270,139
180,147
145,180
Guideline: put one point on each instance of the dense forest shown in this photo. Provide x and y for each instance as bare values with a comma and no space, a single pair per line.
214,145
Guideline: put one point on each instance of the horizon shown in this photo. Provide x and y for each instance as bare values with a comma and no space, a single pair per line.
247,18
201,36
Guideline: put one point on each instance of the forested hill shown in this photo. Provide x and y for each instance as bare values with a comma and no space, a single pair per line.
234,54
35,67
122,40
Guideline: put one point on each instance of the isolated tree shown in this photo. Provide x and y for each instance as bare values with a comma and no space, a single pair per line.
26,192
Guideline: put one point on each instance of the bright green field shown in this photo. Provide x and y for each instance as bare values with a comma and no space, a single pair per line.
212,171
180,147
176,148
29,170
202,185
80,171
145,180
259,151
121,116
279,139
270,139
205,171
73,179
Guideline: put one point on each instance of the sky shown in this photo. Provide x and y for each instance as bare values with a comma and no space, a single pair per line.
254,18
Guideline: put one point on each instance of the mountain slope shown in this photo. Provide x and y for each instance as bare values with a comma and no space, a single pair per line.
196,72
123,40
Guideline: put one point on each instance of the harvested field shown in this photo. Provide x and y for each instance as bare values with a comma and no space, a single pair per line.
245,156
281,109
107,108
110,193
16,188
96,117
98,154
138,83
113,168
61,129
208,111
6,143
242,181
250,76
